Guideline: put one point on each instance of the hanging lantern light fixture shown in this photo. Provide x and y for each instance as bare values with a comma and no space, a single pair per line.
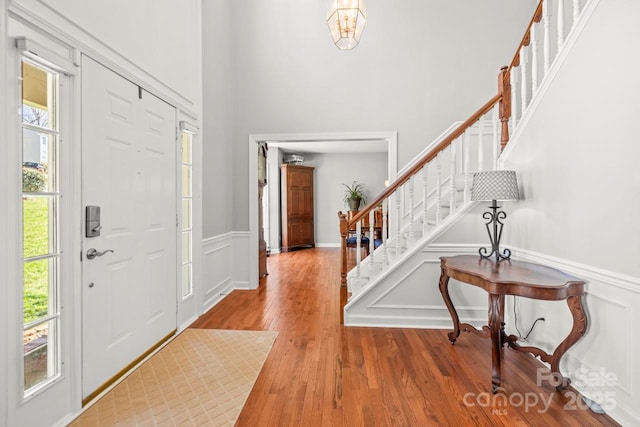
346,19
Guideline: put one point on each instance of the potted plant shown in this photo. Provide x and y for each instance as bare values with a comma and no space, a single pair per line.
354,195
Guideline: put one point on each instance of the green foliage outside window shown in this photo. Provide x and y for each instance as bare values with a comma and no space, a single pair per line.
33,180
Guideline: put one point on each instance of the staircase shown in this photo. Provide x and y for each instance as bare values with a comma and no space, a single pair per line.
434,190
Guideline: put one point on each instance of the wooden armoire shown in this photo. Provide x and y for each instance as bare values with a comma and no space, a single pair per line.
297,206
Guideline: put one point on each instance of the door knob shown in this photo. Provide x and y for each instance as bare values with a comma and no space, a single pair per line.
92,253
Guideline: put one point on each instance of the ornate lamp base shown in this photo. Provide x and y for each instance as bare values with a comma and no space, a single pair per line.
494,229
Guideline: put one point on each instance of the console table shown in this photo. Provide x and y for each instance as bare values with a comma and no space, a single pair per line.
521,279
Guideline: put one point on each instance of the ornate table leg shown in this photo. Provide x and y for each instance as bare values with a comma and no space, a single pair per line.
577,331
496,327
444,290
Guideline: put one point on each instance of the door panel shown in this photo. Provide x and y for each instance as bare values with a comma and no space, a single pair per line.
129,170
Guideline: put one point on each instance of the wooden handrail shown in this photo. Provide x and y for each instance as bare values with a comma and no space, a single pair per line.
426,159
526,39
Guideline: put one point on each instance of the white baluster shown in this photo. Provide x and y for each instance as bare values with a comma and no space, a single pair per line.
480,145
452,183
438,189
576,13
514,98
385,253
411,232
371,238
358,250
398,203
560,24
534,59
425,199
496,136
546,21
465,162
523,83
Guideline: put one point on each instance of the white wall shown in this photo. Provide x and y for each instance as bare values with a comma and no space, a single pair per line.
157,37
421,66
577,159
218,86
577,162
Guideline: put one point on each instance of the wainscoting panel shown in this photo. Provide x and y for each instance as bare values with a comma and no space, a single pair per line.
217,255
410,296
240,261
602,364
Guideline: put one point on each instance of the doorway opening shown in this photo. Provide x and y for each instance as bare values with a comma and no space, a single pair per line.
323,142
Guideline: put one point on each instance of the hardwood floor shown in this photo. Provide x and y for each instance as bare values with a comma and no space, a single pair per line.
320,373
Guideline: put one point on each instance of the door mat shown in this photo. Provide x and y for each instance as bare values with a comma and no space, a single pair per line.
202,377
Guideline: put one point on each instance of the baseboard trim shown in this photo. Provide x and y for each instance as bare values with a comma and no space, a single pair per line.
241,286
327,245
409,322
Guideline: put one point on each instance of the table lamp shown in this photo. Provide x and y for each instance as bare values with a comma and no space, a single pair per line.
494,186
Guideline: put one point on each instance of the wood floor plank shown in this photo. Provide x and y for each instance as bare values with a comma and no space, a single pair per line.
320,373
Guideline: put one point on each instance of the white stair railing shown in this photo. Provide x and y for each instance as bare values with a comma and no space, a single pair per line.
524,73
414,216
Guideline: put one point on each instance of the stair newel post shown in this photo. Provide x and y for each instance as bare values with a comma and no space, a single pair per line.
344,292
425,201
504,89
560,24
546,22
411,233
372,246
438,161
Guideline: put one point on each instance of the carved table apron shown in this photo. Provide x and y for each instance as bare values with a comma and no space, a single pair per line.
521,279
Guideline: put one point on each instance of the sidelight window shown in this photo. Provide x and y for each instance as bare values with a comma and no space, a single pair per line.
187,214
40,227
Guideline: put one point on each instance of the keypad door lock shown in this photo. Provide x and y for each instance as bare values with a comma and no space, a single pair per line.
92,221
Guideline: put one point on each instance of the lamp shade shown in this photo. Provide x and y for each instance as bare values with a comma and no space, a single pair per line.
346,19
495,185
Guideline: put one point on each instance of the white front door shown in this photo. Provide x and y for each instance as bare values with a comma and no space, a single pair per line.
129,172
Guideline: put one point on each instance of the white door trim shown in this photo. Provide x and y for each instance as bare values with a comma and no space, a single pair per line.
254,139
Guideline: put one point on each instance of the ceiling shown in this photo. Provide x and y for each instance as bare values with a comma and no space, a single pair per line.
332,147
